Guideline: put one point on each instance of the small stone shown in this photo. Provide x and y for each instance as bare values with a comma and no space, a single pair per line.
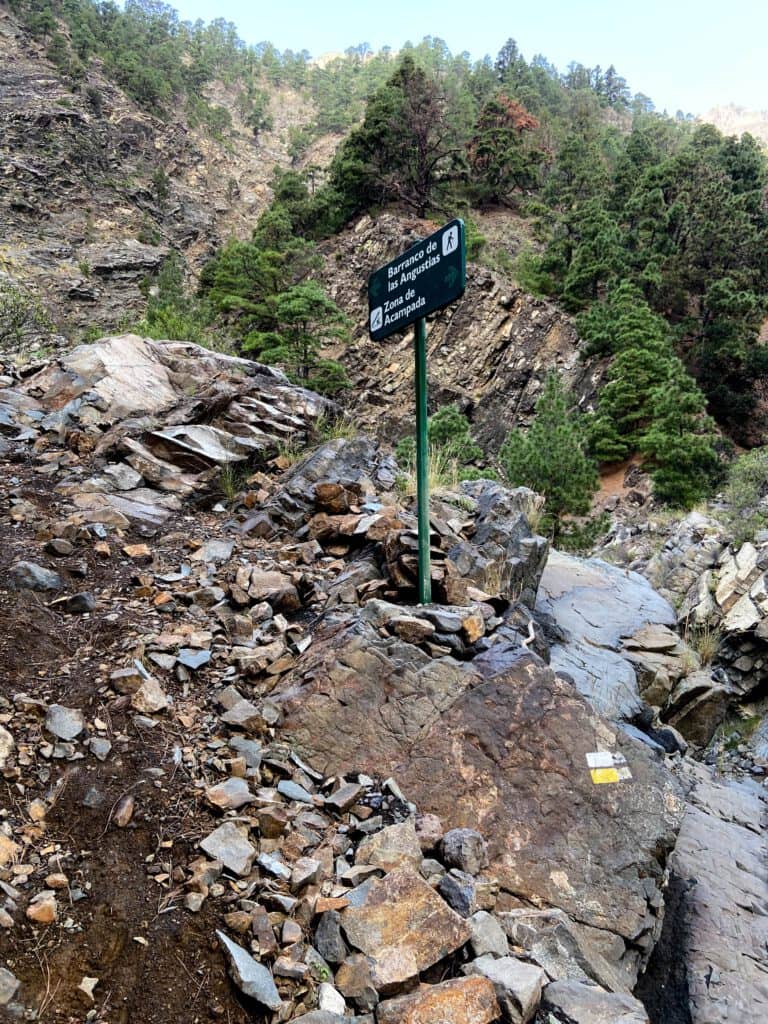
293,791
43,909
324,903
30,576
229,845
393,847
9,986
273,821
459,891
245,715
306,871
274,865
123,477
487,935
59,547
291,932
458,1001
214,551
285,967
203,874
64,723
76,604
86,986
57,881
128,680
473,627
193,659
251,977
100,747
411,629
518,985
331,1000
239,921
355,981
344,797
138,553
262,929
356,875
123,812
6,746
465,849
229,795
429,831
149,698
37,810
248,749
328,939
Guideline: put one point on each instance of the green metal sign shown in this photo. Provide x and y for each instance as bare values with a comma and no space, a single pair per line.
428,276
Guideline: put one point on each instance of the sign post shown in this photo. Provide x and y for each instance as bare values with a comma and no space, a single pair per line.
428,276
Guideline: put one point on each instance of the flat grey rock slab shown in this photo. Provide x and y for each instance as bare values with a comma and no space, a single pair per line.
596,604
721,855
587,1004
228,844
251,977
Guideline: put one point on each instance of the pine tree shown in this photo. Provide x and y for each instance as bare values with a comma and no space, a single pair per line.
551,457
500,160
680,441
304,318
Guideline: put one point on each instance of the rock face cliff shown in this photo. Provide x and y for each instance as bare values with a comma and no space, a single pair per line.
488,353
94,191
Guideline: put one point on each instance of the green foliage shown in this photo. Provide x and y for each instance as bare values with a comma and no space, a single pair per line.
448,434
551,457
303,319
676,213
679,441
449,429
172,313
649,403
22,314
501,159
745,489
406,150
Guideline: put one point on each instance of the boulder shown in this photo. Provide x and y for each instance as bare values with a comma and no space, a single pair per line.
567,950
30,576
595,605
719,861
503,557
517,984
697,706
586,1004
402,925
499,745
251,977
459,1001
393,847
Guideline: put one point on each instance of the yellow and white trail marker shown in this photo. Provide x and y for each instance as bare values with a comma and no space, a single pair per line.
605,766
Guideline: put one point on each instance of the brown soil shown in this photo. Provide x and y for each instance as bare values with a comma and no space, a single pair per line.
175,974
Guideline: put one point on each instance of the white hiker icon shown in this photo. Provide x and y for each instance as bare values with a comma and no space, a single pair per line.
377,318
450,240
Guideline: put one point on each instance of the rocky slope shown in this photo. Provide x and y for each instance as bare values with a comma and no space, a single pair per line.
488,353
94,192
233,744
735,120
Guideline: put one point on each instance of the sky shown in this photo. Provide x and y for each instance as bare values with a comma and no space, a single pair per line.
685,55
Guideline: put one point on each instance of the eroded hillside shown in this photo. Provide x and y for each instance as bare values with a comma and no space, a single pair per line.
94,192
